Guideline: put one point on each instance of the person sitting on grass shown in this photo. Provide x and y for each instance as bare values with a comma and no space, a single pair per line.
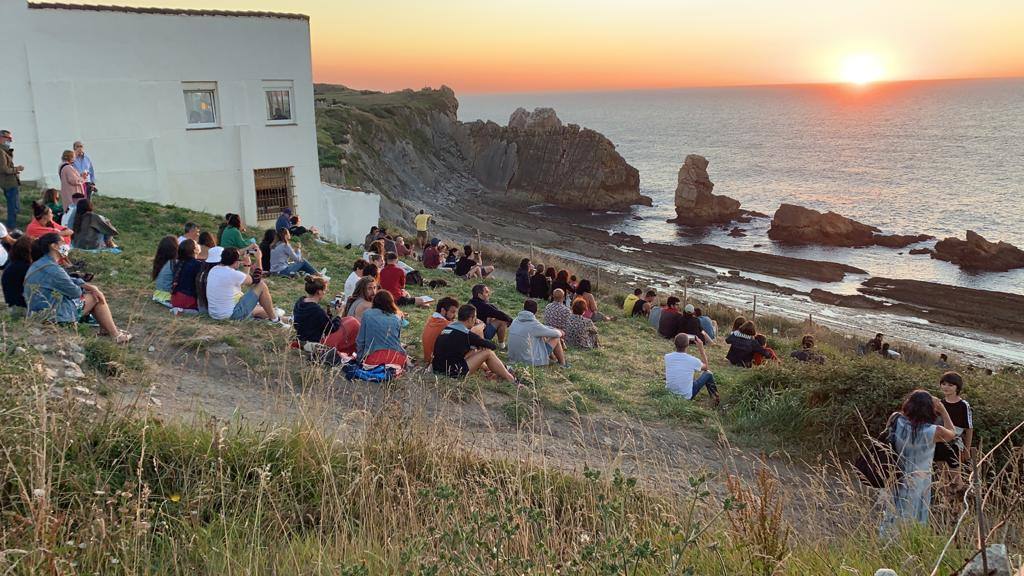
523,274
452,259
286,259
709,326
380,331
654,316
52,294
584,292
739,321
768,356
371,237
540,288
185,271
742,346
431,255
470,265
556,313
51,198
190,232
353,277
92,231
495,321
162,273
807,353
13,280
888,353
631,300
231,237
671,319
444,314
361,299
561,282
401,249
392,279
224,296
206,241
266,245
580,332
532,343
313,324
42,223
68,219
297,229
284,219
681,366
458,352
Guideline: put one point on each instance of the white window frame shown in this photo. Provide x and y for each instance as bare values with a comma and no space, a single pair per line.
278,86
193,87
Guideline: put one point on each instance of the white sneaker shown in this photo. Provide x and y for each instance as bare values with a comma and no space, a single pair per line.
278,312
323,273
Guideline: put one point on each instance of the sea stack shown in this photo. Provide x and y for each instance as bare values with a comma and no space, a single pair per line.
537,158
695,204
794,224
977,253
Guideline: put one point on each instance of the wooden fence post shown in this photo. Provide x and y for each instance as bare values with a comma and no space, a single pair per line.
754,314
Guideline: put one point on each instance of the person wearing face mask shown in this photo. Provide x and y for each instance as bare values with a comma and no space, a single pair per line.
52,294
10,180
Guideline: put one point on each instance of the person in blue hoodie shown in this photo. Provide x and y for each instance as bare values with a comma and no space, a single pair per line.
532,343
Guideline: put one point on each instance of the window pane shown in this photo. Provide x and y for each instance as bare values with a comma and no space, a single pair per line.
199,107
279,105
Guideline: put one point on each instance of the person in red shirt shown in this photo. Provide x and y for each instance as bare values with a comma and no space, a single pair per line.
768,356
43,223
392,279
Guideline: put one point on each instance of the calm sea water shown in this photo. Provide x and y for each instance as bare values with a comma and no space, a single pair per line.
923,157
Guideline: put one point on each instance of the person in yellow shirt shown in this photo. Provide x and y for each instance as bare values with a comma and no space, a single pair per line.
627,305
421,229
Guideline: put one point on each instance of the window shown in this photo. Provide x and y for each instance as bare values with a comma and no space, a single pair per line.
201,104
279,102
274,191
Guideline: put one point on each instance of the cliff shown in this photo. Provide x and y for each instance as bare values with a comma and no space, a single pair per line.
411,148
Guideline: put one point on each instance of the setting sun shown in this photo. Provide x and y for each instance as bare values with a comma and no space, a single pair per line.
861,69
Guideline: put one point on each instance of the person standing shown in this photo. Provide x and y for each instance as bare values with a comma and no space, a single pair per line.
83,164
10,180
71,180
422,220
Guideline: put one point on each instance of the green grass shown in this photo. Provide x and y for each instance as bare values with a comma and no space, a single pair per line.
115,491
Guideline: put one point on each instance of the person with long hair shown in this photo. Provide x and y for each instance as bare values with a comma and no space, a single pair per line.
162,273
914,434
51,197
51,293
585,292
13,280
286,259
231,237
266,245
523,274
380,332
206,241
743,346
314,325
362,297
42,223
184,294
561,282
540,286
92,231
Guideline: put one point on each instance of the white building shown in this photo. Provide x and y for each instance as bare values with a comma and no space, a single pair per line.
205,109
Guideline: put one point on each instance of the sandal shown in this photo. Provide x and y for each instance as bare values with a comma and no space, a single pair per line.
123,337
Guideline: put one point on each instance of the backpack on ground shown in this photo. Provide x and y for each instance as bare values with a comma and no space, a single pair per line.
354,370
879,463
414,277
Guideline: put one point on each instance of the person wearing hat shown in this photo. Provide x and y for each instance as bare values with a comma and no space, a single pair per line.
431,255
691,324
284,220
10,178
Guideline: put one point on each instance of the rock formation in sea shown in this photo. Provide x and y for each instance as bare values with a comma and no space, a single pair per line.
695,203
539,159
977,253
794,224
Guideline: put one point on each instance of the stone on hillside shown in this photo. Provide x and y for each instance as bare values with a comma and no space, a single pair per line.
794,224
998,563
977,253
72,371
885,572
695,203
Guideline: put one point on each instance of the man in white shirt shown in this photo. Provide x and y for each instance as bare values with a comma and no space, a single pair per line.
191,232
354,276
680,367
224,296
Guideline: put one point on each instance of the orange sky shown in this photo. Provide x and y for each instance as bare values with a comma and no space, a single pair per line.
538,45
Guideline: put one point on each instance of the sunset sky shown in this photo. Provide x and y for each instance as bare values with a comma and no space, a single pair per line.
549,45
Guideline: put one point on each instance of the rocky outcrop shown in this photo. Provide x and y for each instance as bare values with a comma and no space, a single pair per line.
977,253
538,159
695,203
794,224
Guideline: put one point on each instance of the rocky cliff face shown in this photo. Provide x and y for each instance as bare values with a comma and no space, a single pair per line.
410,147
794,224
977,253
538,159
695,204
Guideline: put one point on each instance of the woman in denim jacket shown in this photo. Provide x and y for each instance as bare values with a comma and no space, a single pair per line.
52,294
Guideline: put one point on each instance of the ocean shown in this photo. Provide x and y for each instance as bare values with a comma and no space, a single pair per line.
935,157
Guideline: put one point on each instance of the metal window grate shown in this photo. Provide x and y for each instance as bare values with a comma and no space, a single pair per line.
274,191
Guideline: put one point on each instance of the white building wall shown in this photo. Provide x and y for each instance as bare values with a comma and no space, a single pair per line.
348,214
114,81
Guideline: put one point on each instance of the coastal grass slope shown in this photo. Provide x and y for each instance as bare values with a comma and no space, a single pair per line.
113,488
